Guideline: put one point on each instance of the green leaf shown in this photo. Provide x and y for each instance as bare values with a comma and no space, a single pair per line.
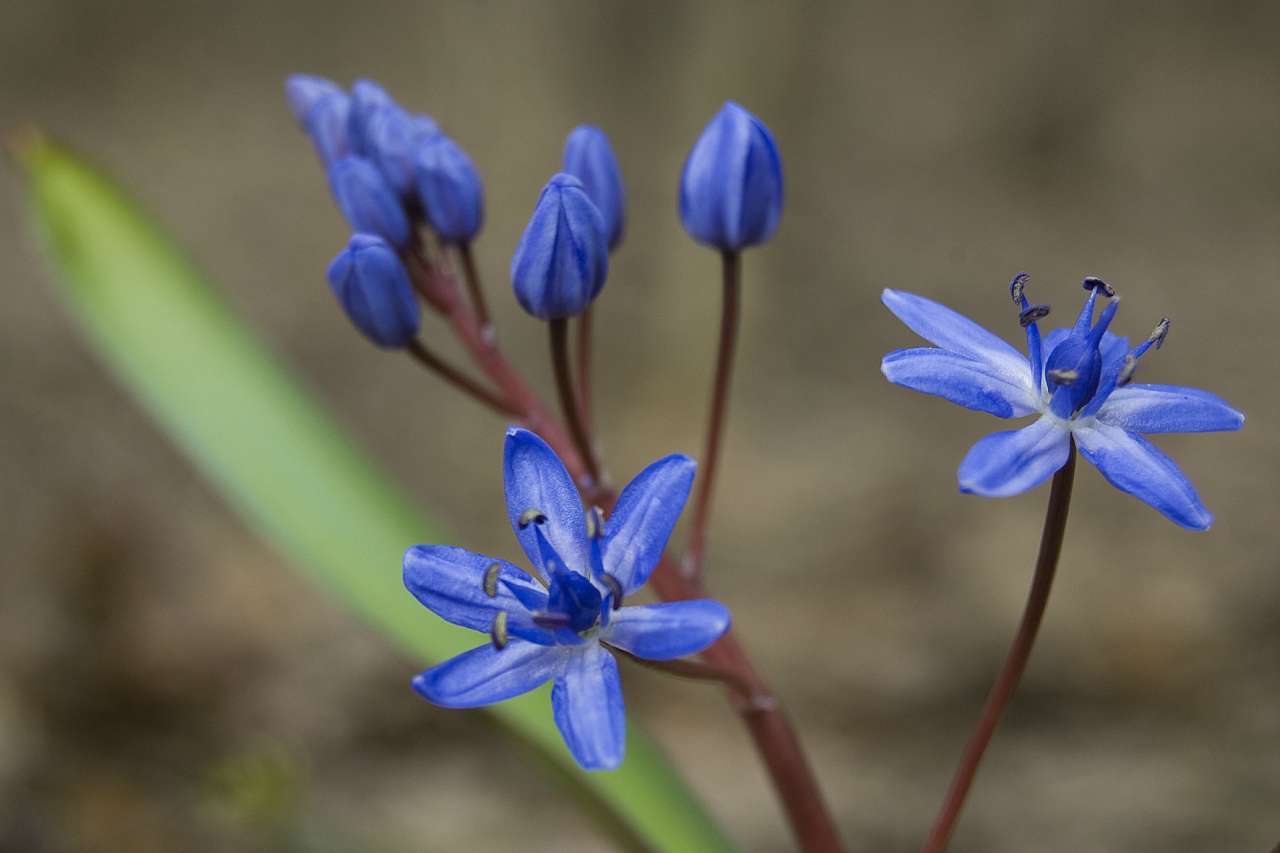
285,467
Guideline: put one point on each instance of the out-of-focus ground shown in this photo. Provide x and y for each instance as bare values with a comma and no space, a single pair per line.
166,683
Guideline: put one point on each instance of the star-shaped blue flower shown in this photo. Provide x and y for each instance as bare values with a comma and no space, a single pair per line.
1082,389
556,623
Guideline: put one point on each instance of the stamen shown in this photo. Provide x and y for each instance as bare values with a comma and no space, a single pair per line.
1032,313
1063,376
1159,332
1126,370
531,516
615,588
595,523
551,620
1016,287
491,579
1092,282
498,633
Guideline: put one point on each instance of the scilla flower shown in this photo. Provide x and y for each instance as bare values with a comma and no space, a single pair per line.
557,622
731,187
562,259
449,188
374,290
394,138
589,158
1077,381
367,200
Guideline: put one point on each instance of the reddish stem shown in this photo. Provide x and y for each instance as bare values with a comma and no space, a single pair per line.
584,374
1055,526
460,380
569,404
729,311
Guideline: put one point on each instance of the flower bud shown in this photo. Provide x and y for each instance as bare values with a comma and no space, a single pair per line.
589,158
731,187
367,98
394,138
303,91
450,189
373,288
326,124
563,258
367,201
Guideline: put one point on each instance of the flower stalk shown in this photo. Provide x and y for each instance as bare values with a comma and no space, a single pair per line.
569,402
729,316
1055,525
460,380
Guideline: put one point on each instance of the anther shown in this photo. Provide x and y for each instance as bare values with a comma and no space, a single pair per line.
1017,285
1092,282
491,579
1126,370
1064,376
498,632
615,588
595,523
1159,332
531,516
1032,313
550,620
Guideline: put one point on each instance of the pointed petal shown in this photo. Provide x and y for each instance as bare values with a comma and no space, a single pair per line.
1008,463
587,702
450,583
669,630
1168,408
956,333
486,675
637,530
964,381
535,478
1134,465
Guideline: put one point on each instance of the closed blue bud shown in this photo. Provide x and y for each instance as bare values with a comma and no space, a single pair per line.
563,257
304,90
326,124
450,189
589,158
394,138
367,98
731,187
373,288
367,201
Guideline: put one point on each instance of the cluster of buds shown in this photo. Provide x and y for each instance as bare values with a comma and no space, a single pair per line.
397,177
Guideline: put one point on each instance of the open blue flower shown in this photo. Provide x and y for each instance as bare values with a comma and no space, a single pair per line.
556,622
1077,380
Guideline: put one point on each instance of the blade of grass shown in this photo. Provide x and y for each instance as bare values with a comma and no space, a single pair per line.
285,467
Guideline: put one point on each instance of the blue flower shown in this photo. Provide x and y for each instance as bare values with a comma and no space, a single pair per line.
303,91
557,622
1083,389
374,290
589,158
367,99
325,120
731,187
367,200
562,259
394,138
449,188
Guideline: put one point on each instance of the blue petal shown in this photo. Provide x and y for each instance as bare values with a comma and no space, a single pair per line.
587,701
535,478
1008,463
943,327
486,675
1168,408
637,530
668,630
962,380
450,583
1134,465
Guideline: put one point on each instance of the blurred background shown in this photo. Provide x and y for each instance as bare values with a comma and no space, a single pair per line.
167,683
